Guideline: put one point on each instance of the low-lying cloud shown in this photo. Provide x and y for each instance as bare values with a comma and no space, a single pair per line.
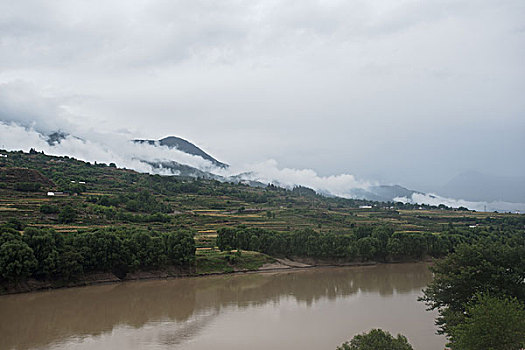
119,149
269,172
101,148
434,199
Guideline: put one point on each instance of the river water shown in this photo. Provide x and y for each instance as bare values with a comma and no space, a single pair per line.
305,309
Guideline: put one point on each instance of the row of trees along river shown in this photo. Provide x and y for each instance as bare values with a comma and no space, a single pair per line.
43,253
378,243
46,254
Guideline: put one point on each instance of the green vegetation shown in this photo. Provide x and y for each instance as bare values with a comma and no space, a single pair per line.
49,209
210,261
378,243
27,186
45,254
479,291
16,260
67,215
376,339
491,323
104,219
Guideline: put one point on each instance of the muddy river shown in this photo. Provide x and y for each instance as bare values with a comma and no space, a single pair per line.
306,309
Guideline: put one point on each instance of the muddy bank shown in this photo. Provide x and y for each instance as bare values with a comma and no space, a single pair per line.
33,285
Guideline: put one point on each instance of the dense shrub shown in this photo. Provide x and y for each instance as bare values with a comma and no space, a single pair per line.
376,339
28,186
67,215
49,209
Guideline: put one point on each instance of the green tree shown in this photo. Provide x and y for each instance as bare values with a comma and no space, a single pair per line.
180,247
49,209
67,215
15,224
367,247
133,205
147,251
28,186
8,234
382,234
376,339
395,248
490,267
408,244
70,265
490,323
227,238
363,231
17,260
44,243
101,250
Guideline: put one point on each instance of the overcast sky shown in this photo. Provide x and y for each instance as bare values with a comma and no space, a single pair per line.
407,92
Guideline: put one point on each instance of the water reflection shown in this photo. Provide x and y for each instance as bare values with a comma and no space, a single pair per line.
185,306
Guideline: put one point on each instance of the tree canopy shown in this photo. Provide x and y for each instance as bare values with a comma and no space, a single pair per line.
490,323
47,254
376,339
479,291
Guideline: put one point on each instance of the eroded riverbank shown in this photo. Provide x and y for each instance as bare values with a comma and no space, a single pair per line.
278,265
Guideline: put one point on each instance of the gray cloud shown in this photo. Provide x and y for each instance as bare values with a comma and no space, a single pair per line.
25,104
403,92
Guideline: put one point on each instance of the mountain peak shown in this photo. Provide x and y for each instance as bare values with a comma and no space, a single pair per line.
184,146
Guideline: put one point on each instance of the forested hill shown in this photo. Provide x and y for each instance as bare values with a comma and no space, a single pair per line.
102,183
63,220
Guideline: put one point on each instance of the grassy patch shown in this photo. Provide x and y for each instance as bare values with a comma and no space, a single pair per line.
213,261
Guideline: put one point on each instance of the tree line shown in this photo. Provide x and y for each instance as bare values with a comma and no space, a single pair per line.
48,255
378,243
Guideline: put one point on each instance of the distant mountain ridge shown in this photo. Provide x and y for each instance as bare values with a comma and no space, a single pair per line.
476,186
383,193
471,186
184,146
